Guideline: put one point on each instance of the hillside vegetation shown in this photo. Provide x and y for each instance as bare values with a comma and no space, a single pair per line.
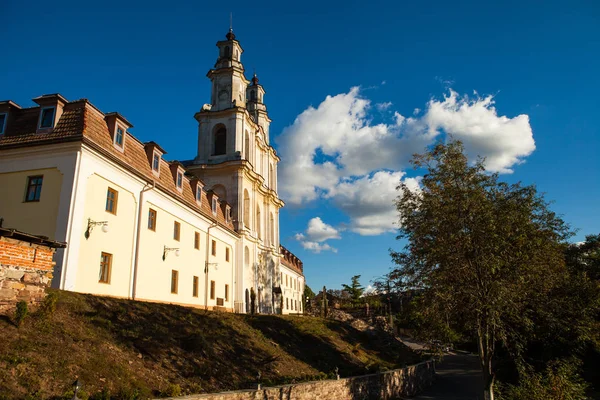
125,349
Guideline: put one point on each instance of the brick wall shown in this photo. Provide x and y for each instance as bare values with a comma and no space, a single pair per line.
25,272
389,385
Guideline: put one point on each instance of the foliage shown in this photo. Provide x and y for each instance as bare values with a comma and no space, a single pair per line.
21,312
559,381
48,306
485,254
308,292
252,301
585,257
355,290
172,390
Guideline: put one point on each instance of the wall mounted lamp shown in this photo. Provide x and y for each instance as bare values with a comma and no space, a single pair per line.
91,224
168,249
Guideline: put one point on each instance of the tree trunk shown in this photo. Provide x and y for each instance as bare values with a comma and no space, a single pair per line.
486,352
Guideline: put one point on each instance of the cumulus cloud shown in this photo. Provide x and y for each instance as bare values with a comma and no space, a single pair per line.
316,233
335,151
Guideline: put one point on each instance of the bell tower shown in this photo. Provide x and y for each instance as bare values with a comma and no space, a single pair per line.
236,161
227,77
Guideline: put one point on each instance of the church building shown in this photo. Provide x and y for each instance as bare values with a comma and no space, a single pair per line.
202,232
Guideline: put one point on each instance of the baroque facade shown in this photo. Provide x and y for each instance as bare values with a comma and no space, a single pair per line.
202,232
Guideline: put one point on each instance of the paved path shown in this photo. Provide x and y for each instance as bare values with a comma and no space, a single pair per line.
458,378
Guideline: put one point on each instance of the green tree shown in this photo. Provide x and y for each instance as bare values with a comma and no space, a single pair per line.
483,253
308,292
355,290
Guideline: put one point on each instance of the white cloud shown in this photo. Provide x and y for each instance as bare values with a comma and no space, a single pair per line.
383,106
316,233
336,152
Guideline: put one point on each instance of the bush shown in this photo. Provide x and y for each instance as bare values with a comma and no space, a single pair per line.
48,306
21,312
560,381
173,390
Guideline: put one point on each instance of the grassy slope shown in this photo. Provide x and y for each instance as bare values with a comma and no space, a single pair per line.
136,349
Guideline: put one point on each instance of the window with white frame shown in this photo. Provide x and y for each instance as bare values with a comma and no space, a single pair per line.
156,162
119,136
47,117
214,206
198,194
3,118
179,180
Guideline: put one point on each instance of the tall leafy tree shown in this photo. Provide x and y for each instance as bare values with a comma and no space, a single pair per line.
484,253
355,290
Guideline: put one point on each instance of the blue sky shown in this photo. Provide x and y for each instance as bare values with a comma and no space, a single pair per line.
148,60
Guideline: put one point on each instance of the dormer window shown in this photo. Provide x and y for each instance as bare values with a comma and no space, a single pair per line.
179,180
214,206
198,194
119,136
47,117
3,118
228,215
156,162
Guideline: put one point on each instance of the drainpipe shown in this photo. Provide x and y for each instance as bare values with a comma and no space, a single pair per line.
206,264
138,236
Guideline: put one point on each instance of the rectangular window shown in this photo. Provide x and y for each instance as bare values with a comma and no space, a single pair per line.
227,254
195,287
198,193
179,180
47,118
152,220
287,303
119,137
156,162
212,290
286,280
3,118
112,197
214,248
34,188
105,267
197,241
214,206
226,292
176,230
174,281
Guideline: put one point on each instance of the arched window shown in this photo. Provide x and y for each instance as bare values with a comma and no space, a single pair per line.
246,209
258,232
271,177
247,146
227,52
246,256
220,140
272,229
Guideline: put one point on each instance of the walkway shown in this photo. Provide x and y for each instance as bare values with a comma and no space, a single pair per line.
458,378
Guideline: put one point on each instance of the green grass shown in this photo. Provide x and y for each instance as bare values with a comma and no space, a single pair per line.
125,349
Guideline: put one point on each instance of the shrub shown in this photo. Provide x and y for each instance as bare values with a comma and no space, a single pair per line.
21,312
172,390
560,381
48,306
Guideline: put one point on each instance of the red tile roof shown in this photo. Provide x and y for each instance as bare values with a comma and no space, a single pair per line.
291,261
81,121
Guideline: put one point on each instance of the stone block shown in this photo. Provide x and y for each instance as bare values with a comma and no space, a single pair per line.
7,294
14,274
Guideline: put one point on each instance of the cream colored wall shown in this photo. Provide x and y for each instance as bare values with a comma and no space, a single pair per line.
291,292
154,274
118,241
36,217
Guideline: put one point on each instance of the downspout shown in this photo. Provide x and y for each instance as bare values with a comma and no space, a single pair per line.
207,264
65,261
138,236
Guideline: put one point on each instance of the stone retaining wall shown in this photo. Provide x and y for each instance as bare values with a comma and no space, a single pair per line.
383,386
25,272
